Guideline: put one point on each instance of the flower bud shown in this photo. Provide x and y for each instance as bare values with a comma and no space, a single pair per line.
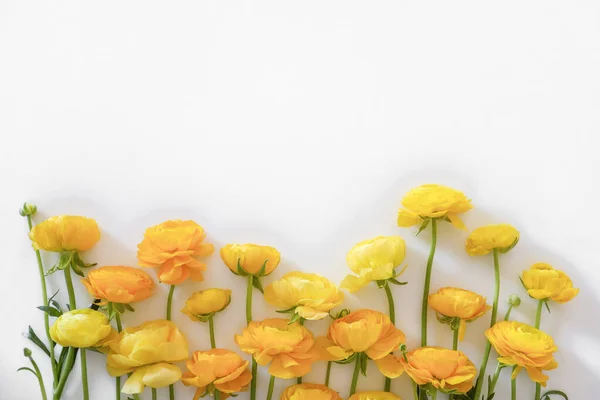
26,352
27,209
514,300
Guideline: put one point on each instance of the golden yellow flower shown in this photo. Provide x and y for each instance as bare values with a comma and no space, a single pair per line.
433,201
156,376
203,304
374,396
485,239
312,391
373,260
173,247
524,346
81,328
310,295
218,369
444,369
65,233
287,347
118,284
360,331
251,258
458,303
544,282
149,343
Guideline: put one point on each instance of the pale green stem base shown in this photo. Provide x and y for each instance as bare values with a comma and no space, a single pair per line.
211,328
426,287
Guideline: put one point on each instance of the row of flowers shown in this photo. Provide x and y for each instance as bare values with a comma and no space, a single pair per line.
147,354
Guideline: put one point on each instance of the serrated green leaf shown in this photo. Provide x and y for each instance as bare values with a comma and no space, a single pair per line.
31,335
51,311
256,283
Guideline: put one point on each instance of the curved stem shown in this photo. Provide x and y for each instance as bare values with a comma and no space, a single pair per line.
271,386
355,375
513,386
248,320
84,377
65,371
507,315
154,394
427,285
118,378
538,320
211,328
496,288
392,310
328,373
38,256
170,302
38,374
494,380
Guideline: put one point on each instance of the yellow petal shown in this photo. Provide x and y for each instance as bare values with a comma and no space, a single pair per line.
456,221
390,366
406,219
462,328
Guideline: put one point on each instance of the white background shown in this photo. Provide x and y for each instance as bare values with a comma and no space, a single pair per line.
301,125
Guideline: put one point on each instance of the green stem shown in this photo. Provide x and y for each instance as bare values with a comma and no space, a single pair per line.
434,395
171,392
328,373
154,394
46,316
118,378
355,375
271,386
496,288
538,320
248,320
170,302
118,320
513,386
254,379
65,371
84,377
494,380
217,394
481,378
415,391
455,336
507,315
392,310
211,328
39,375
70,290
427,285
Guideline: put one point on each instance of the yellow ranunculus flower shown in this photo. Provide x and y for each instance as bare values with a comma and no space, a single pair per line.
485,239
524,346
433,201
173,247
218,369
312,391
81,328
251,258
206,302
544,282
360,331
156,376
287,347
458,303
150,343
119,284
444,369
65,233
373,260
374,396
312,295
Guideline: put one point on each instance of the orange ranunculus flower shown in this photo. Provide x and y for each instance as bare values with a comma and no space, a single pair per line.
360,331
453,302
485,239
433,201
65,233
546,283
374,396
173,247
250,258
312,391
119,284
205,303
218,369
524,346
444,369
289,348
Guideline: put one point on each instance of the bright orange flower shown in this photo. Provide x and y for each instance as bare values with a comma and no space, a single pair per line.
119,284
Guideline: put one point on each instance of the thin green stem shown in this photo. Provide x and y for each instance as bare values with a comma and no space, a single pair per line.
415,391
118,378
300,322
427,285
39,375
434,395
65,371
154,394
496,288
271,386
494,380
211,328
328,373
170,302
46,316
70,290
455,331
217,394
538,320
392,310
481,378
171,392
249,287
118,321
507,315
355,375
254,379
84,377
513,386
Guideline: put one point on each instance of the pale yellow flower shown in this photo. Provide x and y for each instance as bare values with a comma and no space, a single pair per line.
81,328
485,239
206,302
309,391
65,233
543,282
374,396
250,258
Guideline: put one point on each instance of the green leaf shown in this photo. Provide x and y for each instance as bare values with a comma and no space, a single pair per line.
75,268
62,357
294,318
128,307
240,270
555,392
28,369
36,340
289,310
263,269
51,311
394,281
423,226
256,283
119,307
547,307
53,296
347,360
363,364
56,305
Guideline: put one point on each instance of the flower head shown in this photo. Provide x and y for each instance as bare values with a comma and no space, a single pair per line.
287,347
81,328
65,233
433,201
311,296
156,376
444,369
458,303
205,303
173,247
250,259
544,282
524,346
217,369
119,284
485,239
374,396
360,331
312,391
373,260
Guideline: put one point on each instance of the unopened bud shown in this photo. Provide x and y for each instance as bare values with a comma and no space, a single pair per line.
27,209
514,300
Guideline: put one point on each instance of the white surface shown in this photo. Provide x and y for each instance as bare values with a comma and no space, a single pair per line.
301,125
